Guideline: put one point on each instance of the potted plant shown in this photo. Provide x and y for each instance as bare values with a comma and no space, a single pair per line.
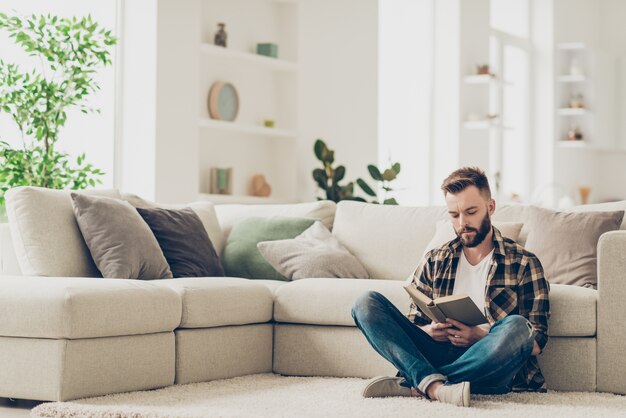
69,51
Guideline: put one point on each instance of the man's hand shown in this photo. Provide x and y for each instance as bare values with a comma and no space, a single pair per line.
437,331
536,350
464,336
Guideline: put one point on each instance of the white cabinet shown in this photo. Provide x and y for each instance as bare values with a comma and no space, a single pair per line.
267,88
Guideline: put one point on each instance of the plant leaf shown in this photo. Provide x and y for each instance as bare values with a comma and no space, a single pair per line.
375,172
365,187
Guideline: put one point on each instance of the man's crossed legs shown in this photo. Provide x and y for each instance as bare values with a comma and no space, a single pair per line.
489,365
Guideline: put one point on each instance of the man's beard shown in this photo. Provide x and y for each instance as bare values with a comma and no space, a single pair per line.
480,234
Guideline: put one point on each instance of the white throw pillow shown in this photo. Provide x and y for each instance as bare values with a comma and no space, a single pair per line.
445,232
45,234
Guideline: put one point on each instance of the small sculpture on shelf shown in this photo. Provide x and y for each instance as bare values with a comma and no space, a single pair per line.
482,69
260,187
577,101
220,36
574,134
575,68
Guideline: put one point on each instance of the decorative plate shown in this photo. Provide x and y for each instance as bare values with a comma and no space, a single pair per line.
223,101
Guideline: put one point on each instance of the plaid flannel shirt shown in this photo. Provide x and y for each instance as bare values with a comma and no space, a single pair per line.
515,286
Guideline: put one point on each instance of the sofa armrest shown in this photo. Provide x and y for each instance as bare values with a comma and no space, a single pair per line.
611,330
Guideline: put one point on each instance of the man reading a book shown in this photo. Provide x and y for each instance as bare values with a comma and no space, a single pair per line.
447,361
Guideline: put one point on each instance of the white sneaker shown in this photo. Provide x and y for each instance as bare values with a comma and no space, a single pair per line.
383,386
457,394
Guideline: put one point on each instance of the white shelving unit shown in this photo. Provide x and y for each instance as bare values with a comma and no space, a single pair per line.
267,90
574,81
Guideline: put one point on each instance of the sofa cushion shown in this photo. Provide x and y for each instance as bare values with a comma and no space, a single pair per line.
184,242
329,302
445,232
566,243
388,240
602,207
120,242
313,253
241,257
521,213
219,301
230,215
45,234
204,210
39,307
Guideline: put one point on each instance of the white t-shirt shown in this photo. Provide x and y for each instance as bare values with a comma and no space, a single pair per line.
471,280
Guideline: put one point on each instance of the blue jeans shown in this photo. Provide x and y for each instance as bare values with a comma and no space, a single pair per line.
490,364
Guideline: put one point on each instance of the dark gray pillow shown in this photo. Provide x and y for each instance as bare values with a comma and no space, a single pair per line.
184,242
315,253
121,243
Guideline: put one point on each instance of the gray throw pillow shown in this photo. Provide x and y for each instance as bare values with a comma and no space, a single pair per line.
315,253
184,242
566,243
121,243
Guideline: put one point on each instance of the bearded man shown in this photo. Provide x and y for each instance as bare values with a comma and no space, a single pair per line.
449,361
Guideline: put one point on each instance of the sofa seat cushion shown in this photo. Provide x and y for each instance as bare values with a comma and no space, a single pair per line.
219,301
272,285
329,302
73,308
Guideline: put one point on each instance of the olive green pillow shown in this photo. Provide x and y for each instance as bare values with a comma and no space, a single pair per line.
241,257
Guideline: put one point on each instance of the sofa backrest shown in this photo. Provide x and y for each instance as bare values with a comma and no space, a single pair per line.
8,260
388,240
229,215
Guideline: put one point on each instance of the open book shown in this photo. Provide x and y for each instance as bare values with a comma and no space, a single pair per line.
458,307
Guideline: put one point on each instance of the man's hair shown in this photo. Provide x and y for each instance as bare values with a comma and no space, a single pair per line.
465,177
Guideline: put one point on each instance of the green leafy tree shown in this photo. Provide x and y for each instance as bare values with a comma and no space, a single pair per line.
69,51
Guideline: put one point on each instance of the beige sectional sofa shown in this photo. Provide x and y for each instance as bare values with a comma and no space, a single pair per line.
63,338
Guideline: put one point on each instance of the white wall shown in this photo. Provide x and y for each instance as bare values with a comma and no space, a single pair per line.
178,66
139,49
404,95
160,78
93,133
338,56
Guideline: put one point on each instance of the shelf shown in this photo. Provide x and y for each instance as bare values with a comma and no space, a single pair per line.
249,58
483,124
571,78
564,143
572,111
479,78
585,144
247,129
243,199
571,46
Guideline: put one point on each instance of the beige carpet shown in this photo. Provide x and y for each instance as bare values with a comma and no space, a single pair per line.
268,395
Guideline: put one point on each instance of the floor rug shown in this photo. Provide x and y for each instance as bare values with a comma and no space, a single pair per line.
270,395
